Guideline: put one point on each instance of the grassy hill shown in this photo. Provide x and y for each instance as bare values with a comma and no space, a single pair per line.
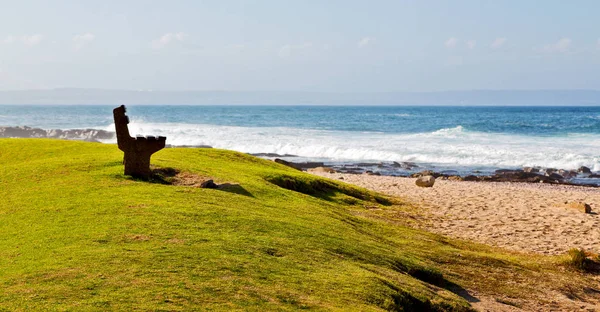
76,234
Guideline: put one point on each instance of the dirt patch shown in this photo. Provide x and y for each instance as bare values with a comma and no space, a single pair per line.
189,179
174,176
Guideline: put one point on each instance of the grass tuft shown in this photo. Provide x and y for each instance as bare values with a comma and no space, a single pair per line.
577,258
583,261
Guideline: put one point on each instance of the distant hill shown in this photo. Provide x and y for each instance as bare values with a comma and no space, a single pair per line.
475,97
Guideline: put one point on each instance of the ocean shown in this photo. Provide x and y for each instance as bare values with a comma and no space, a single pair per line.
462,139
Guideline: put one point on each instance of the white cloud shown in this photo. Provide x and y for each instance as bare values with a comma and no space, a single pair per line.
471,44
168,38
365,41
32,39
288,50
28,40
498,42
81,40
560,46
451,42
285,51
9,40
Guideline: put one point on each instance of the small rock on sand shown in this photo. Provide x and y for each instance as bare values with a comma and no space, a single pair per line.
425,181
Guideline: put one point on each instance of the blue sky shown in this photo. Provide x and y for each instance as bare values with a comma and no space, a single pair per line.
326,45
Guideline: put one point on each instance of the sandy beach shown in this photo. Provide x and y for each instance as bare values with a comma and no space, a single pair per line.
523,217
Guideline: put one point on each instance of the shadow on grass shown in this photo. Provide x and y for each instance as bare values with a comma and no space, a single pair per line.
234,188
172,176
433,277
404,301
583,261
324,189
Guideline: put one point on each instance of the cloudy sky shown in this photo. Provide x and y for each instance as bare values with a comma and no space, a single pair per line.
303,45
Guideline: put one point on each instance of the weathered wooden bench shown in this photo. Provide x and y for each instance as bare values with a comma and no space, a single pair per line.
137,150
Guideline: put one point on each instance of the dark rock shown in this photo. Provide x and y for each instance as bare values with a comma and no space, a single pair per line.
405,165
555,176
298,166
549,171
584,169
531,169
308,165
351,170
209,184
471,178
367,164
594,176
508,171
271,155
90,135
286,163
567,174
455,178
516,176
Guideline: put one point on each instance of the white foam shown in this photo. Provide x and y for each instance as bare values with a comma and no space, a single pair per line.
452,146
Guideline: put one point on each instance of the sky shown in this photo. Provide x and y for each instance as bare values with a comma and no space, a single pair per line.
294,45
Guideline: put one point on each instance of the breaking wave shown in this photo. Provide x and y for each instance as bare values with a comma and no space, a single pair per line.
448,146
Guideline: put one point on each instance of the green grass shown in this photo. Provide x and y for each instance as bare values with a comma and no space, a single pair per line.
76,234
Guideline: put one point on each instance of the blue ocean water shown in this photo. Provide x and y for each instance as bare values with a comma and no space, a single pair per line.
446,137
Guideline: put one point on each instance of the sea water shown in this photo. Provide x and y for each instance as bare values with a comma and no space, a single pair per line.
446,138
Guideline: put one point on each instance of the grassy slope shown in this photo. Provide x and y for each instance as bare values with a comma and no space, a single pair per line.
76,234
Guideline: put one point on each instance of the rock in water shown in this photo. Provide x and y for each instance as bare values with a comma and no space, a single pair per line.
581,206
555,176
531,169
425,181
584,169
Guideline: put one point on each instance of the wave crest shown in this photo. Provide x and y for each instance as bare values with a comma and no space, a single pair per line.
448,146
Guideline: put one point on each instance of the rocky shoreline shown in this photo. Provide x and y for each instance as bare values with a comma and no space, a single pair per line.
89,135
582,177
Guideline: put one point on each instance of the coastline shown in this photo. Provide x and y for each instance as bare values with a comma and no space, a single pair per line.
570,174
524,217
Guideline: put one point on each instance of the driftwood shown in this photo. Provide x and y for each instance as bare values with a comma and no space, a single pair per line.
137,150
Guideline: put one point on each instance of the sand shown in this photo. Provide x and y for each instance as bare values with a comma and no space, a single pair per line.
523,217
